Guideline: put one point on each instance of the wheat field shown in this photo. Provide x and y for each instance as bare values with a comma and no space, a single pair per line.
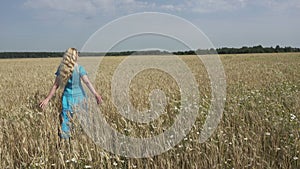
260,127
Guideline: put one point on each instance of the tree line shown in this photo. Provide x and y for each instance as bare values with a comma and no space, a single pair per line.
224,50
257,49
4,55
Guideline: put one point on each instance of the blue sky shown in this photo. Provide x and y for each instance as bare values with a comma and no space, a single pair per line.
54,25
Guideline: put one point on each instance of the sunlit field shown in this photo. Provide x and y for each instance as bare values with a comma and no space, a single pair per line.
260,127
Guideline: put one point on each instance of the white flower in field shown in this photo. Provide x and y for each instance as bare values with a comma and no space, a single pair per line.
245,138
185,139
268,133
295,158
134,166
180,146
171,136
278,148
74,160
128,130
115,164
39,164
87,166
67,161
293,117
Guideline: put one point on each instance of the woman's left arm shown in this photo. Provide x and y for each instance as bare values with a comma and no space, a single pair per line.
87,82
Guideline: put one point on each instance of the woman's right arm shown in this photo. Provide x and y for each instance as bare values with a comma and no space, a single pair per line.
86,80
44,103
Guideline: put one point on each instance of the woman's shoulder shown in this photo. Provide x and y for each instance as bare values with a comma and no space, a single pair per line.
80,66
82,70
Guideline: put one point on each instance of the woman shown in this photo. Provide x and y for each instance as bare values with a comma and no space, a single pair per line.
69,75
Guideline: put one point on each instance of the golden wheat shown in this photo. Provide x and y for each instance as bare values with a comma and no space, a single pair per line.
259,127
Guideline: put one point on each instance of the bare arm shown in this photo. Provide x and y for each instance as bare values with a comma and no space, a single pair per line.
87,82
44,103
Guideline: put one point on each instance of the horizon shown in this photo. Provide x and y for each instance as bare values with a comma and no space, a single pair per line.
160,50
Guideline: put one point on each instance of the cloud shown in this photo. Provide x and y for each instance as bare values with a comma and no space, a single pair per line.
207,6
70,6
93,7
210,6
86,6
171,7
280,5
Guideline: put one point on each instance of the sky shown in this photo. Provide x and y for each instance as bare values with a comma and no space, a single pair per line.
55,25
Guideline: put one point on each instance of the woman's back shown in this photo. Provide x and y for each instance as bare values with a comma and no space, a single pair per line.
73,86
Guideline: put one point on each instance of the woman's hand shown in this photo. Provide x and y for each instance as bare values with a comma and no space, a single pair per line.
55,86
98,98
44,103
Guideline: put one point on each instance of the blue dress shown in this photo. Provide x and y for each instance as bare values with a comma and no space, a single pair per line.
73,96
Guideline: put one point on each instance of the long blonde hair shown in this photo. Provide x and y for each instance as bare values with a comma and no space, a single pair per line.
66,66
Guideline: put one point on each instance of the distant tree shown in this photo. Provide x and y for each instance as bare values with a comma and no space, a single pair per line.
277,49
